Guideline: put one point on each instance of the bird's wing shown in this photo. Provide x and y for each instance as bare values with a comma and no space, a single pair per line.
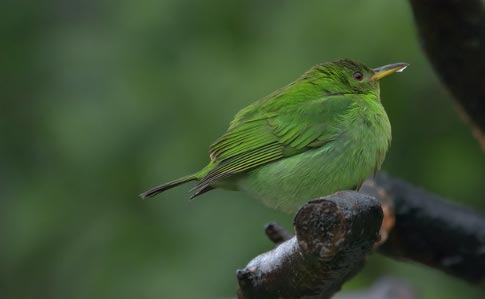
264,132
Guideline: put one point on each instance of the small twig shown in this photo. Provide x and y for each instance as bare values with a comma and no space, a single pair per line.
276,233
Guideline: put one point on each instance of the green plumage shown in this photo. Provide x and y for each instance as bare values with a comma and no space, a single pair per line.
327,131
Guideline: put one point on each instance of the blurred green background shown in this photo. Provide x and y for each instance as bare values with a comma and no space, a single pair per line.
102,99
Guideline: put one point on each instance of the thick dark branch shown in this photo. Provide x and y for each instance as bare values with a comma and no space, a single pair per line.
452,33
433,231
333,237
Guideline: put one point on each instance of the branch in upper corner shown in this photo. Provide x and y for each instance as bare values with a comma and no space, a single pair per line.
333,237
452,34
431,230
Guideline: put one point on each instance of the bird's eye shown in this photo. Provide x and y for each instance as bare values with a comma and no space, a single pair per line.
358,76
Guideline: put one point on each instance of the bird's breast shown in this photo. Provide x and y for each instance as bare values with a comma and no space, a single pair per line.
367,135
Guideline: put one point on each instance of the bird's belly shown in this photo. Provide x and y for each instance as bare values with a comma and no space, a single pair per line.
288,183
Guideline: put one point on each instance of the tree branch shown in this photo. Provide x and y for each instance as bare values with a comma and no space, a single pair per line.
333,237
452,34
430,230
335,234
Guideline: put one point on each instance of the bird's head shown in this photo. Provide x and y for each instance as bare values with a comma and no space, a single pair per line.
350,77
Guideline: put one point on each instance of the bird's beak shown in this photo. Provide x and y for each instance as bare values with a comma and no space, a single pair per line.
386,70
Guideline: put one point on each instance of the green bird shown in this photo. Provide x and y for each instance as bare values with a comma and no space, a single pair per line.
325,132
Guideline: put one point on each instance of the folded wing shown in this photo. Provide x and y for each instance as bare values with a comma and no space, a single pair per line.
268,131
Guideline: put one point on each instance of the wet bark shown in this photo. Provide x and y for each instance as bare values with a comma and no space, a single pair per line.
432,230
335,234
333,237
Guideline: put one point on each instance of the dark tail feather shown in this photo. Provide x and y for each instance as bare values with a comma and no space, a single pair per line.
200,191
158,189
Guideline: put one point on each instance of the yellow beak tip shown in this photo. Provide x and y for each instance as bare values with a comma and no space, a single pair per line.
386,70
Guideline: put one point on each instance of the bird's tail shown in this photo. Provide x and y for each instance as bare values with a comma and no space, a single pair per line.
158,189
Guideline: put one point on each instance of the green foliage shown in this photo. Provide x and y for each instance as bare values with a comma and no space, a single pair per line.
102,99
